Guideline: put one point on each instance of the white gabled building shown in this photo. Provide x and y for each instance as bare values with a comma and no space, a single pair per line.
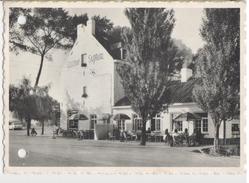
93,95
87,82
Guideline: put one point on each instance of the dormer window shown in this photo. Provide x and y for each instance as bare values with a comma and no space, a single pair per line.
83,60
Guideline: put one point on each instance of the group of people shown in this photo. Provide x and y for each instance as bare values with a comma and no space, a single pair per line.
56,131
124,135
179,138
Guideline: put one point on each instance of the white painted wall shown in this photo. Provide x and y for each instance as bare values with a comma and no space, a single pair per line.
97,76
179,108
84,125
129,112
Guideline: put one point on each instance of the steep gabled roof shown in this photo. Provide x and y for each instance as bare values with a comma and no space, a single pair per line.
180,92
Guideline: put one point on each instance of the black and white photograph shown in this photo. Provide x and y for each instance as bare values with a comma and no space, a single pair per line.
123,86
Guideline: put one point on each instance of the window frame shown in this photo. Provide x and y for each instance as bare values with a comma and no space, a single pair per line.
198,125
204,126
179,126
137,123
82,60
235,133
93,120
158,120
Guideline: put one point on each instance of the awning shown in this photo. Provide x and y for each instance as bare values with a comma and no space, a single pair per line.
121,117
78,117
83,117
187,117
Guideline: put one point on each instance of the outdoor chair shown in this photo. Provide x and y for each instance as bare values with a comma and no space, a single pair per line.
131,135
138,134
111,136
123,136
196,139
81,134
157,136
149,137
178,140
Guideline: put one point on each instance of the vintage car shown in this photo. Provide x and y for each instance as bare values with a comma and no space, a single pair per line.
15,125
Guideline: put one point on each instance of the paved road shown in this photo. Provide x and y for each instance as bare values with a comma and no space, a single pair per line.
45,151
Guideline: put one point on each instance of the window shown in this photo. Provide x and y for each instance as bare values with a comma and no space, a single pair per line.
235,130
179,126
84,95
157,122
93,120
198,125
83,60
121,124
205,124
202,125
73,124
137,123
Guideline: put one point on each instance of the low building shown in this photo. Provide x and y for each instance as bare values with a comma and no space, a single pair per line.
93,97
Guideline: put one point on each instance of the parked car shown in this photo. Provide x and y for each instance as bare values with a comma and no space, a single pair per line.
15,125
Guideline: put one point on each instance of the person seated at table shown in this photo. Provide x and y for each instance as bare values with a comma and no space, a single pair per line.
111,136
148,130
81,135
175,135
132,135
33,132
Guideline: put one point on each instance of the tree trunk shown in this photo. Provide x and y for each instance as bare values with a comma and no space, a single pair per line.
224,132
216,138
39,72
42,122
28,121
143,135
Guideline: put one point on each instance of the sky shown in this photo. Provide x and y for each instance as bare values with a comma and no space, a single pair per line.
186,29
188,22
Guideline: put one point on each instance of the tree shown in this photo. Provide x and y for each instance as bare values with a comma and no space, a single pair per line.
20,101
104,27
151,59
73,22
218,65
29,103
43,105
105,33
45,29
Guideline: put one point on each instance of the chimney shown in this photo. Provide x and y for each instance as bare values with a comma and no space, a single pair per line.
80,30
91,26
186,73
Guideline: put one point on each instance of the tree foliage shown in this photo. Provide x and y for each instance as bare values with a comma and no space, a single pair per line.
29,103
45,29
73,21
104,26
150,60
218,65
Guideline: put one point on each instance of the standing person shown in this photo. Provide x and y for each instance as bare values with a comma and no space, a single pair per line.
175,135
186,135
57,129
54,131
166,136
121,136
